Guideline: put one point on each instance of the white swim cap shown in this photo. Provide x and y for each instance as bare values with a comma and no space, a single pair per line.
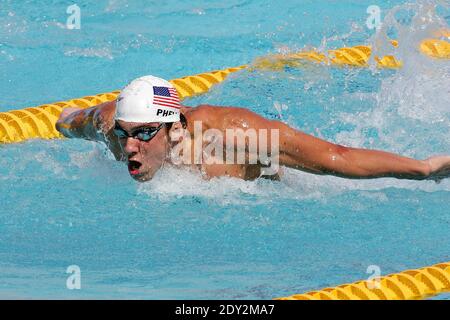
148,99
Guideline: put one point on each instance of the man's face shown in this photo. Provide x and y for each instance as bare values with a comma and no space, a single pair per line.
144,158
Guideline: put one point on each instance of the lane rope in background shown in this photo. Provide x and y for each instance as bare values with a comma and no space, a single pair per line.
39,122
407,285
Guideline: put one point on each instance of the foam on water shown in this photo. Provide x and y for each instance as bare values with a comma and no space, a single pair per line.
411,108
171,184
420,90
90,52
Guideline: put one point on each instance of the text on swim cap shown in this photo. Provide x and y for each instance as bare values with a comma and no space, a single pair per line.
164,113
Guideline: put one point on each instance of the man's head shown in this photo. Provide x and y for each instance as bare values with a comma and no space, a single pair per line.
146,110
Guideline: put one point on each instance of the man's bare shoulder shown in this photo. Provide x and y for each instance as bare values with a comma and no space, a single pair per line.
205,111
220,116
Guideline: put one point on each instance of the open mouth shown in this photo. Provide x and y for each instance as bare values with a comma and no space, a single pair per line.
133,167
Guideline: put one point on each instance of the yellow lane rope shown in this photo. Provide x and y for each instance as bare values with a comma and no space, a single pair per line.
357,56
407,285
39,122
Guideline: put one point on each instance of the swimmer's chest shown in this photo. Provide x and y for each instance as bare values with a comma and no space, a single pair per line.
242,171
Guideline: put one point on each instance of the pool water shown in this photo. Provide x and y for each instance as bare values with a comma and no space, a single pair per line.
66,202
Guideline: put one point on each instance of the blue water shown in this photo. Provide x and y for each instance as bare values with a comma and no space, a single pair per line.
68,203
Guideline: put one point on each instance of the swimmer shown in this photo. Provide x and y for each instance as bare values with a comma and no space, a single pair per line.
147,123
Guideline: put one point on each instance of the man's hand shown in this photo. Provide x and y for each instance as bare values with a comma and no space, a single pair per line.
439,168
90,123
65,113
94,124
64,123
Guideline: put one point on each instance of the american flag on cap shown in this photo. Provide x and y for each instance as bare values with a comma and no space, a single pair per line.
166,97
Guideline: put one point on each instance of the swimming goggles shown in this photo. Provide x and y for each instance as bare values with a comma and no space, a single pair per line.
143,134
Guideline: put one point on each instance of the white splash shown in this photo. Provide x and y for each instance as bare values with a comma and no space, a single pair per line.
412,109
90,52
173,183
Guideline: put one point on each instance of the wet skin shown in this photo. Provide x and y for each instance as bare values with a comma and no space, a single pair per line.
297,150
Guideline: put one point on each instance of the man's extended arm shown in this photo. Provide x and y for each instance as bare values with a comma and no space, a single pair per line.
95,123
302,151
